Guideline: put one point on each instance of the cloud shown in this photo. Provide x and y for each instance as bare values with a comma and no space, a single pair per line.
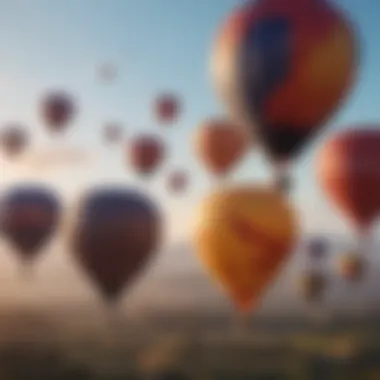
46,161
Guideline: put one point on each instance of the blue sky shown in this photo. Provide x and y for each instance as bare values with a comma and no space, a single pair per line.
157,45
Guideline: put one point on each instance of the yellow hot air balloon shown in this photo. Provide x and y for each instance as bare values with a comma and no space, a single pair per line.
243,235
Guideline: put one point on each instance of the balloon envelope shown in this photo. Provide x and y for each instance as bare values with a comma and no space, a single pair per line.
178,181
348,171
29,216
57,110
13,139
115,233
318,247
220,145
113,132
167,108
282,67
351,267
312,286
242,236
146,153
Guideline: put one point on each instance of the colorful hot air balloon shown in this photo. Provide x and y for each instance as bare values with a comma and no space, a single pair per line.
312,286
113,132
146,153
57,109
178,181
282,67
348,172
29,216
115,232
13,140
243,236
166,108
220,145
351,267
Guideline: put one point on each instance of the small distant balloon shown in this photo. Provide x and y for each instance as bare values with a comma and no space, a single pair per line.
115,233
167,108
113,132
312,286
220,145
29,216
178,181
318,248
58,109
13,139
351,267
146,153
107,72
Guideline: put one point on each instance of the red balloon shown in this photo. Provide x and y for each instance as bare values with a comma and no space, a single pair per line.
349,172
178,181
146,153
58,109
166,108
13,139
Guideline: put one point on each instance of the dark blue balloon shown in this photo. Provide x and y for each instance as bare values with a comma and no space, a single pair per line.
115,233
29,216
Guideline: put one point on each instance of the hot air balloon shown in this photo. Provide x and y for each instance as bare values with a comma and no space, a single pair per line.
107,72
220,145
57,109
146,153
178,181
29,216
115,233
13,139
282,68
348,171
113,132
312,286
243,236
166,108
351,267
318,248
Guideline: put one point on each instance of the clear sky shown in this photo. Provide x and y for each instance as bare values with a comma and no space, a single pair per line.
157,45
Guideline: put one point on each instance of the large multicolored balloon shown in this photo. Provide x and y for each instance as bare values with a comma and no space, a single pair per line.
29,216
57,110
243,235
220,145
13,140
282,67
114,234
146,153
348,171
167,108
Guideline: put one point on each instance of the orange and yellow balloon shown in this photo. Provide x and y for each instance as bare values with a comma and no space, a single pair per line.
242,236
